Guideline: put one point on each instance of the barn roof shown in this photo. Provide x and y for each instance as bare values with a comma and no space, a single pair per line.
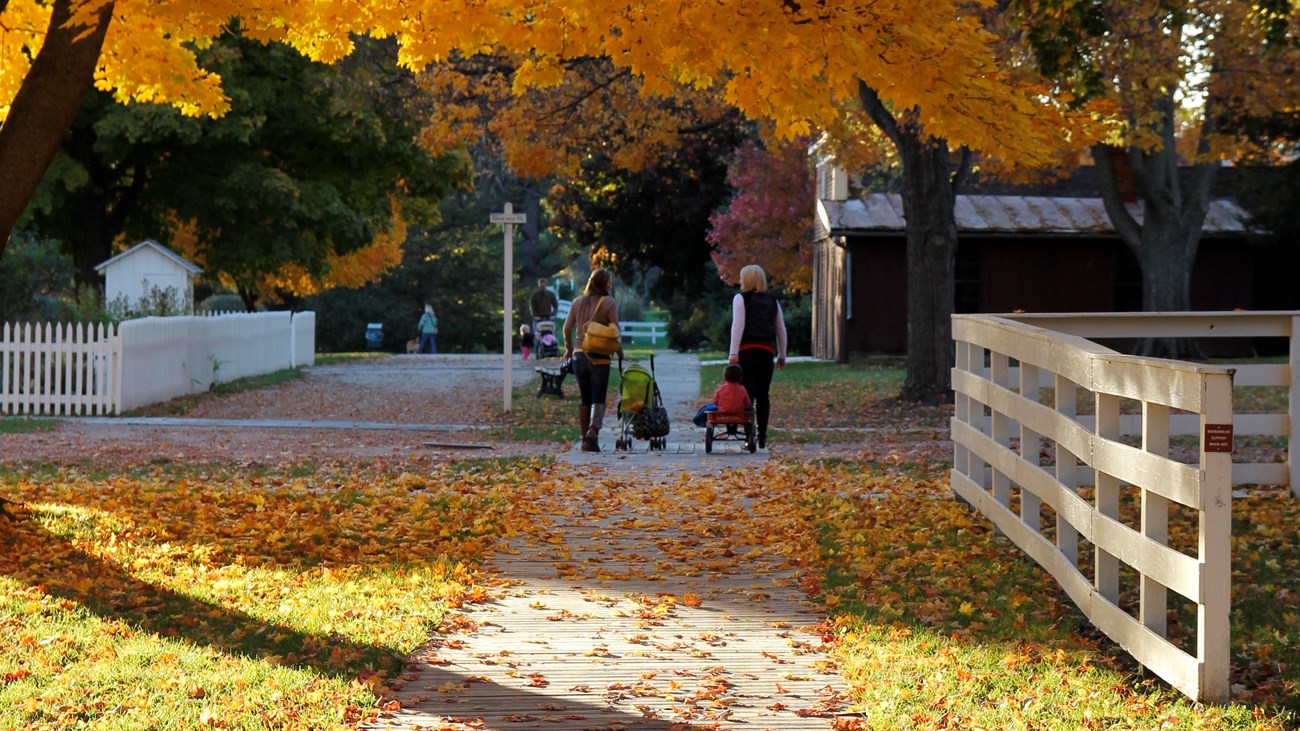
1013,214
189,266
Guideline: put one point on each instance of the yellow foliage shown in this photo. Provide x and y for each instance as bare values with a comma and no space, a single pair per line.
794,68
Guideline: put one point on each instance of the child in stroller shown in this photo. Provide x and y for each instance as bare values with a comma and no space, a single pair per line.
732,409
548,345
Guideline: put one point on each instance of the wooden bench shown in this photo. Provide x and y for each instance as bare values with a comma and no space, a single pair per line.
552,380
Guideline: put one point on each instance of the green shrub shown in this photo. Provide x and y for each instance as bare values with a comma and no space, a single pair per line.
222,303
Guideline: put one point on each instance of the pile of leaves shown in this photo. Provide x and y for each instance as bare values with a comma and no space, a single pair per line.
180,598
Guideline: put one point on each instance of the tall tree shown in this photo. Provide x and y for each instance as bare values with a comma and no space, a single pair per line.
1179,71
794,64
307,181
766,220
773,63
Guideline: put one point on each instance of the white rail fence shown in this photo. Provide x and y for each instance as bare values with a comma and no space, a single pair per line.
1001,429
66,370
638,332
1282,422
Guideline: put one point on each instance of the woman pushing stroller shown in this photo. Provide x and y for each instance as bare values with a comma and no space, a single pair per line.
591,371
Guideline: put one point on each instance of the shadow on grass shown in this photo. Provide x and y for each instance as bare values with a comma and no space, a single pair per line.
36,557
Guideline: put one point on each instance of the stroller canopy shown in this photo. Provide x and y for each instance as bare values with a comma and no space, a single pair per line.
637,388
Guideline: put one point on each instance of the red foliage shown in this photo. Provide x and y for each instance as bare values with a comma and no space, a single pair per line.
768,218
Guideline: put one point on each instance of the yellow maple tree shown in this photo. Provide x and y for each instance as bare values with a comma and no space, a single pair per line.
793,64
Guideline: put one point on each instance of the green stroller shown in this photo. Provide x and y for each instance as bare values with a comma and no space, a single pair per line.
641,412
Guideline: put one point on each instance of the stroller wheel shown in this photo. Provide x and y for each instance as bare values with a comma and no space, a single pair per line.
708,441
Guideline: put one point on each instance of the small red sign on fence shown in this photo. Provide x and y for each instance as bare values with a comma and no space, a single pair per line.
1218,437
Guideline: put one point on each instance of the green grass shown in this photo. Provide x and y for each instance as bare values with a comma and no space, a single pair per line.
812,395
25,425
336,358
286,598
943,623
183,405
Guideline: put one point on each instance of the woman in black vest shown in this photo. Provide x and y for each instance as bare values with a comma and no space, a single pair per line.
757,341
590,370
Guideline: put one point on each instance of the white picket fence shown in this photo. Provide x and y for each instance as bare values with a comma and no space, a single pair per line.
1000,429
61,370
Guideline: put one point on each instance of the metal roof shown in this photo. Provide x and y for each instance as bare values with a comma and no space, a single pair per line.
1015,214
189,266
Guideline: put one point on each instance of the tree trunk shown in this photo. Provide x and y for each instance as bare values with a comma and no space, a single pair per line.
92,242
1166,240
928,202
928,208
44,108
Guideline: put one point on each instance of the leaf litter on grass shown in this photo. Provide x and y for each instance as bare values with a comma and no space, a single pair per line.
241,599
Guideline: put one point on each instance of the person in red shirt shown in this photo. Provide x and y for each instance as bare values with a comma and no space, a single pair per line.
731,396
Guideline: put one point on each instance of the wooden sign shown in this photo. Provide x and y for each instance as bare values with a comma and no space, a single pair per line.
1218,437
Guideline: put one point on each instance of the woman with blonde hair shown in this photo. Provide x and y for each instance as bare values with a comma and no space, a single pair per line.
758,341
591,371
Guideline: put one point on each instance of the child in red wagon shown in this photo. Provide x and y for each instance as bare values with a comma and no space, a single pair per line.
730,396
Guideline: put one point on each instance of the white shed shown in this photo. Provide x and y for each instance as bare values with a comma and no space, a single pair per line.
133,274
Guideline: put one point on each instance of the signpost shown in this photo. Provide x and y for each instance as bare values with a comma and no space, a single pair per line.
508,219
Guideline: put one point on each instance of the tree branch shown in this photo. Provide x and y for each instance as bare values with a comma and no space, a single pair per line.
586,94
963,169
875,108
1130,231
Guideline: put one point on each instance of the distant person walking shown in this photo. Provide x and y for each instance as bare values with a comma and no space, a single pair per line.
428,327
591,371
543,303
758,341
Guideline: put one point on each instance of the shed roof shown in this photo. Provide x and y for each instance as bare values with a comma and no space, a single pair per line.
190,266
1014,214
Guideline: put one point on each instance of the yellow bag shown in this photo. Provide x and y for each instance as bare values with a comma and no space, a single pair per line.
600,340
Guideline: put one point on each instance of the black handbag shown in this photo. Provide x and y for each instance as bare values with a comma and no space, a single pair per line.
650,422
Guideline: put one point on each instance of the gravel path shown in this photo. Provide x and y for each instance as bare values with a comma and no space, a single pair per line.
427,390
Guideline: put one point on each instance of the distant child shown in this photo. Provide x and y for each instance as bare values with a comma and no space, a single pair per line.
526,340
730,396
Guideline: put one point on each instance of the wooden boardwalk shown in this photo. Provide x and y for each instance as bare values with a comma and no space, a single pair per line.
646,593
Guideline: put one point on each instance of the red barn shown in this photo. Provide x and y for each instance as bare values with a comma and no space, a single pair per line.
1036,253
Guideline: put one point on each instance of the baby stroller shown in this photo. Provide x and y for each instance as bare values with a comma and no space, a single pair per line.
641,412
548,346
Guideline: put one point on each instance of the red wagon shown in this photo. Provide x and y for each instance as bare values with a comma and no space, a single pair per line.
731,425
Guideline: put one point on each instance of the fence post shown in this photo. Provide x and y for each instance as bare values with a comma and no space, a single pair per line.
115,360
1030,449
1000,374
1293,409
1107,498
1215,547
1153,602
1066,401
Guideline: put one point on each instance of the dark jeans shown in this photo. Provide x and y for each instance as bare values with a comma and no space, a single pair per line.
759,366
593,380
427,345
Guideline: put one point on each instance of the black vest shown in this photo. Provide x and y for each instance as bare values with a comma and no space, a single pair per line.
760,319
